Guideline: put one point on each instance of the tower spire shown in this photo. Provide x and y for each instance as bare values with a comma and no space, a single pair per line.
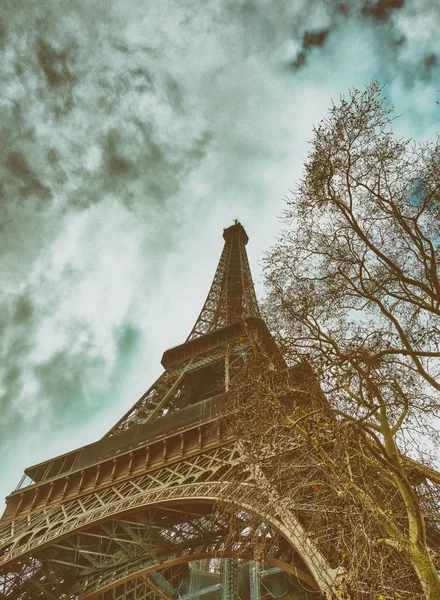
230,301
232,294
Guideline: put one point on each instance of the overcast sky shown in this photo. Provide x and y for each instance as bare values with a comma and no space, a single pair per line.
132,132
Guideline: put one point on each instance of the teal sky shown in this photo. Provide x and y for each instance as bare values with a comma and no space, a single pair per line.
132,133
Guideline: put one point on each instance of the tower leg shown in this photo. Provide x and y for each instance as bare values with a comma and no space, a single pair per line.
194,585
230,579
254,583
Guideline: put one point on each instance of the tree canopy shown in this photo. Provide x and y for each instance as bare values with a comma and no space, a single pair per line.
353,291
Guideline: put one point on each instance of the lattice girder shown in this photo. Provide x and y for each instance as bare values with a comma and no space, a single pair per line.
232,294
57,529
109,552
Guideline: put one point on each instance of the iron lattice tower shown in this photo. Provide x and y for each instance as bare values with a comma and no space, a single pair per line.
132,516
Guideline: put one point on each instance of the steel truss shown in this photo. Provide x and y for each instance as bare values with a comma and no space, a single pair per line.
113,521
110,535
232,294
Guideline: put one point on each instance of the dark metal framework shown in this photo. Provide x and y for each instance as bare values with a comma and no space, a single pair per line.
133,515
232,294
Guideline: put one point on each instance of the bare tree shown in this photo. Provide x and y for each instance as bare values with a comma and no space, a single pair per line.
353,290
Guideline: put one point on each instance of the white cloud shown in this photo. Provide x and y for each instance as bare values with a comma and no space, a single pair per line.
163,122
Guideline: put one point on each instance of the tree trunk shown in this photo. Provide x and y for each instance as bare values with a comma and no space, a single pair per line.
426,572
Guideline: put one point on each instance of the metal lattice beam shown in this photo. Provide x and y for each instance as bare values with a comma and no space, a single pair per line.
232,294
68,518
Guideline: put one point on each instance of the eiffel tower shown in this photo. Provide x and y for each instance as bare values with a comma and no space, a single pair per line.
133,516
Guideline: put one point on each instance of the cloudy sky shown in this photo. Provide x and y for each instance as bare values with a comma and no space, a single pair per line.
132,132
